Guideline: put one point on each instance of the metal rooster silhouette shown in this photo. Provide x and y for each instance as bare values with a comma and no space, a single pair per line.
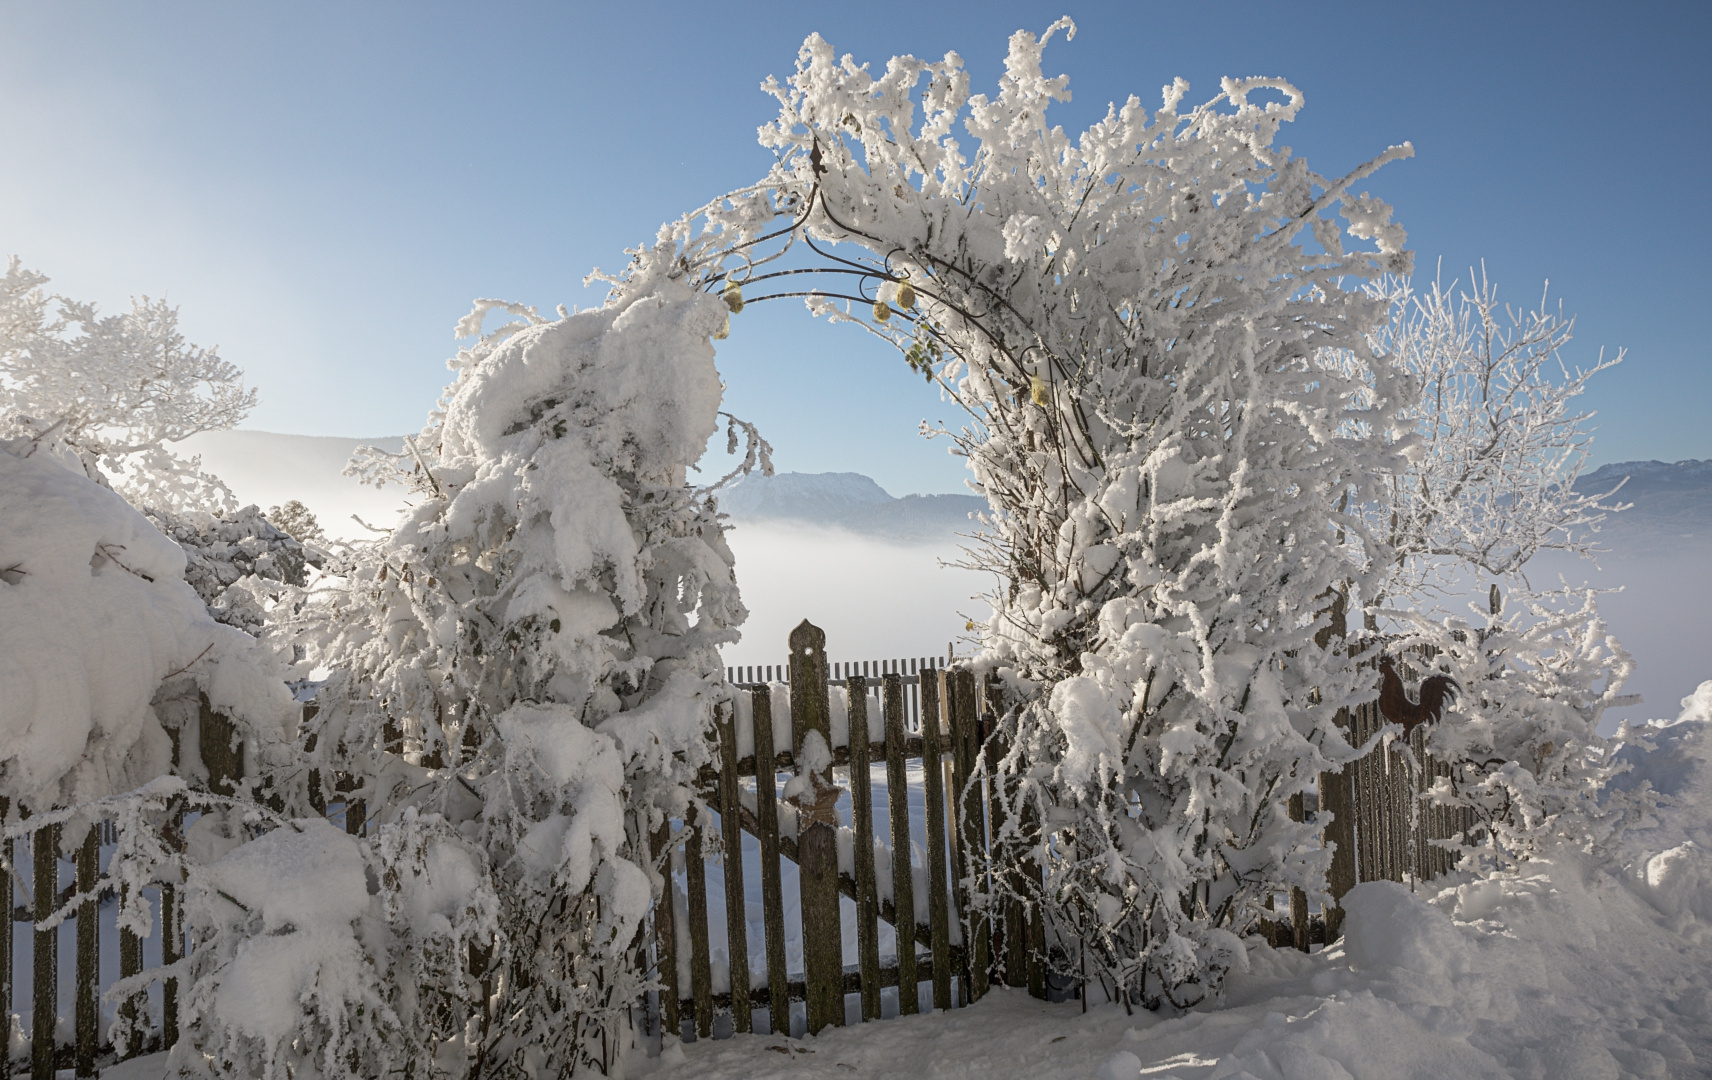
1436,692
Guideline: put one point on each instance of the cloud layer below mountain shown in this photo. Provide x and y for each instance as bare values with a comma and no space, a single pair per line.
836,549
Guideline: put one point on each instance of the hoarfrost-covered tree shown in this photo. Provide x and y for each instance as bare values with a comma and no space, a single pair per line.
1490,481
115,392
530,660
1498,440
1138,326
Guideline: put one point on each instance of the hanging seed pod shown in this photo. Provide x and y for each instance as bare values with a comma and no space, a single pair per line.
882,311
1038,391
906,295
733,296
724,330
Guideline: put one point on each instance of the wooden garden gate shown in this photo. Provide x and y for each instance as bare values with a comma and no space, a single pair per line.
939,942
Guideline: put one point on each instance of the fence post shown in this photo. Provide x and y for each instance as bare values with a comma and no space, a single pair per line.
731,829
933,776
817,834
701,964
44,857
1298,898
1335,789
6,892
772,891
88,952
971,851
666,935
903,880
862,818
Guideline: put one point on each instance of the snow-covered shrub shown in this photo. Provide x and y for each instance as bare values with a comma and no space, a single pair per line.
102,643
1499,443
231,560
321,954
1138,321
532,655
1522,738
1489,482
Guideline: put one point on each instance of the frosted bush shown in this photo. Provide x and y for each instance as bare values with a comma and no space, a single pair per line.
538,640
102,642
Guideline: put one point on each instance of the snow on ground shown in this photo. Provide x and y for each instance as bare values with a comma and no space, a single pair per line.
1567,970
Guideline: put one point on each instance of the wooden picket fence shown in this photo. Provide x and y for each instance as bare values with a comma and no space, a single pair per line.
923,717
1379,828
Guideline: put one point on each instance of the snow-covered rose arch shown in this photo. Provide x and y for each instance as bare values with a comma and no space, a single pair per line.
1158,332
1153,331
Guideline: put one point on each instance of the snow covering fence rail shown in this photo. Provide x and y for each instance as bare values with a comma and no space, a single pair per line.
858,849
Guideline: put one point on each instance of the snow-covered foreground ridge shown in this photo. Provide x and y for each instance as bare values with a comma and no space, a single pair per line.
1565,969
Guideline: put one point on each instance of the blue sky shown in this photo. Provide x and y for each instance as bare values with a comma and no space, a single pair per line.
323,188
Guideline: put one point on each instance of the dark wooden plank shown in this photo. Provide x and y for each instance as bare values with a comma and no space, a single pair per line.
1298,898
903,881
969,849
88,953
862,821
44,856
1339,833
938,894
767,832
731,831
222,750
172,939
133,1009
817,834
1032,874
6,892
666,935
701,961
1366,843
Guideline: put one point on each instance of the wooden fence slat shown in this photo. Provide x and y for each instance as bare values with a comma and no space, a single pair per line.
44,856
903,883
172,940
817,835
971,856
1397,777
862,820
772,890
6,894
1298,898
88,953
1012,948
666,936
1367,794
1036,926
938,898
1335,789
701,963
133,1008
731,831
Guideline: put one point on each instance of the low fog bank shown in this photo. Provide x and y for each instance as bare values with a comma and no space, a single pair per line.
1662,615
875,599
875,583
270,470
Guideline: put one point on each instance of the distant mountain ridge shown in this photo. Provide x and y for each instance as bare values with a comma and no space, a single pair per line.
849,501
1672,501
